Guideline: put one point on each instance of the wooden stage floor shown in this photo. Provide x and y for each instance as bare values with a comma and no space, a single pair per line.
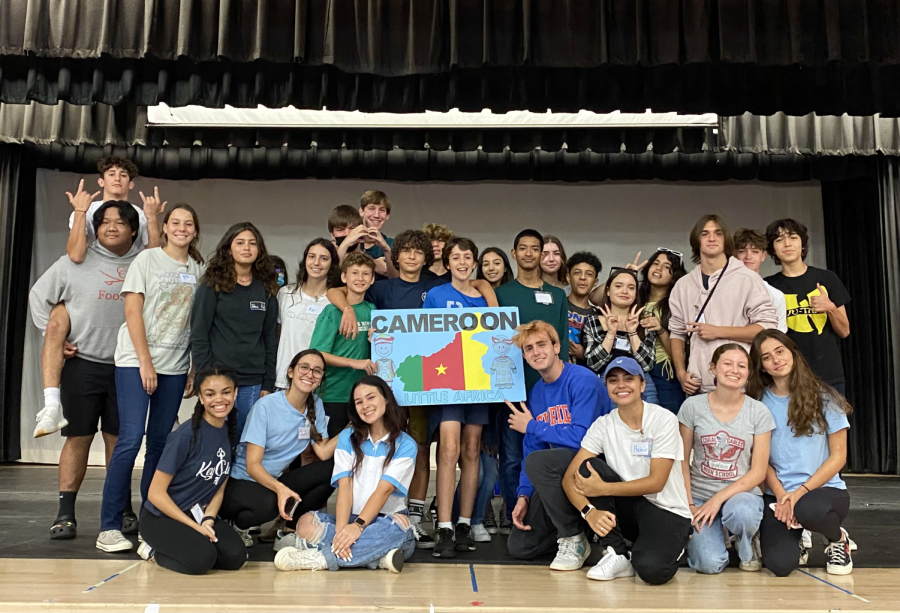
125,585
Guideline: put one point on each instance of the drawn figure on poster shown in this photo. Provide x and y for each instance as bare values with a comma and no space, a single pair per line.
502,368
384,346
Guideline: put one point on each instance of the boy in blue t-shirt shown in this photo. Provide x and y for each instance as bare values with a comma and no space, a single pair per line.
459,425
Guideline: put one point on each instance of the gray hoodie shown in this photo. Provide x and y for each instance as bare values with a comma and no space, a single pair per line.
90,291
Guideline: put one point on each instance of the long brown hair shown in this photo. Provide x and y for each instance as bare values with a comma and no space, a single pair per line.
314,434
193,248
806,409
394,420
562,275
220,273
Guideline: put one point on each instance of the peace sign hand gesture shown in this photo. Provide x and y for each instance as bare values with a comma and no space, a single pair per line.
82,200
152,205
634,265
519,419
612,322
634,319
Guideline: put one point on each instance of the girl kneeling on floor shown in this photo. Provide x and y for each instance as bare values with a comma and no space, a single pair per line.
809,448
373,467
271,478
179,522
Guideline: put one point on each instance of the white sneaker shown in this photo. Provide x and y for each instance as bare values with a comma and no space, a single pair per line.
289,539
245,536
291,558
852,542
752,565
806,539
611,566
112,541
480,534
392,561
146,552
572,552
49,420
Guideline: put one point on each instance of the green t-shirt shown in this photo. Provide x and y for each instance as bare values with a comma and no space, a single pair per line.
514,294
338,381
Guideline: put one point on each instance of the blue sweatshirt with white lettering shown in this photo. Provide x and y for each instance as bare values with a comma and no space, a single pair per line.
563,411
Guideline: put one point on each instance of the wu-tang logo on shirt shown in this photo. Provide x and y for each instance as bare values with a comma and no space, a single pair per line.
801,317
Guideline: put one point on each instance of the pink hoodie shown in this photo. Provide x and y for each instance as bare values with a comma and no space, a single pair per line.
741,299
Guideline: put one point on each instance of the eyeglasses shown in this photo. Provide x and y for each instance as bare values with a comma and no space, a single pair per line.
677,254
304,369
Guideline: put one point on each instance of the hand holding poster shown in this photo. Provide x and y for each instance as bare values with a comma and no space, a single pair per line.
449,356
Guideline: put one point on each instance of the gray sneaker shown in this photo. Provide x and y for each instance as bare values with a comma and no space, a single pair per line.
112,541
289,539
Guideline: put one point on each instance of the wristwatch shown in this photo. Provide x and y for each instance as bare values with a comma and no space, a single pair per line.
587,509
359,521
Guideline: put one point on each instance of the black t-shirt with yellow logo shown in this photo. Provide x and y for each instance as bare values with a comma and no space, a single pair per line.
813,332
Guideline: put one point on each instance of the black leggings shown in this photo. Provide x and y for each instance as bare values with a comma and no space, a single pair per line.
659,536
822,510
338,418
248,503
181,548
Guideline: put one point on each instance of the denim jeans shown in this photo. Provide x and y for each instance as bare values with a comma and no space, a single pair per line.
246,397
649,394
488,471
741,515
668,391
511,456
134,404
379,537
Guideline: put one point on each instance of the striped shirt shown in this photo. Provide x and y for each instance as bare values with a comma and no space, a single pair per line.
372,471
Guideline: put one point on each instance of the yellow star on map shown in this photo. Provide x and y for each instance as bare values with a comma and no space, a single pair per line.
442,370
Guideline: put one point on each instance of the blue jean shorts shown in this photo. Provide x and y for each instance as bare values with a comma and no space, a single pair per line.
465,414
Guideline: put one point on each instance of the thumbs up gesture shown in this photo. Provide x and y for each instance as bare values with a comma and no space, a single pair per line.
519,419
821,303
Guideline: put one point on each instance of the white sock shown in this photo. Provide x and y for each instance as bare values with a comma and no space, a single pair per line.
51,397
445,524
464,520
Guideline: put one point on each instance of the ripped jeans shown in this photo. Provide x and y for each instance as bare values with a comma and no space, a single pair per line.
379,537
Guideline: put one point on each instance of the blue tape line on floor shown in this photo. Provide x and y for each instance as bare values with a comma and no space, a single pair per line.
110,578
837,587
472,573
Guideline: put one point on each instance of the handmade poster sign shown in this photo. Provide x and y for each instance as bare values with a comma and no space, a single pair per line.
449,356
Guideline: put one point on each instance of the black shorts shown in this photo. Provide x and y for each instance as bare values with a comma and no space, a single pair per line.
87,391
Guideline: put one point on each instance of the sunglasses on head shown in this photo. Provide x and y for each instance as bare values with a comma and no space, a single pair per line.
615,270
677,254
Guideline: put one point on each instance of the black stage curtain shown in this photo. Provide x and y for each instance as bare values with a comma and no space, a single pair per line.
855,236
429,165
17,185
723,56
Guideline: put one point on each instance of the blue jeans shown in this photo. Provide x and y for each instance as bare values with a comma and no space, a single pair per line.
511,456
379,537
134,403
246,397
668,391
649,394
741,514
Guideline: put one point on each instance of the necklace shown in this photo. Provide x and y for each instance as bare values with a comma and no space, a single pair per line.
245,280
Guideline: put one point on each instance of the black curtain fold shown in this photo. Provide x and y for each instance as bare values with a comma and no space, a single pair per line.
255,163
17,205
854,240
722,56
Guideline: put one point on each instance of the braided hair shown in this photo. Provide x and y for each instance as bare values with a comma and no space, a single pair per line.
199,409
311,398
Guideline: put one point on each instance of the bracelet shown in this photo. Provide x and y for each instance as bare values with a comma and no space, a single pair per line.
806,488
208,517
632,334
692,505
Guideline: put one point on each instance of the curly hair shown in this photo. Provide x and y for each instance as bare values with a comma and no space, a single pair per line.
111,161
220,272
507,270
662,309
415,240
806,409
395,421
786,227
197,416
334,270
437,232
314,434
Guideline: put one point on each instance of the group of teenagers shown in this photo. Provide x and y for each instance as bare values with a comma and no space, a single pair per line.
668,412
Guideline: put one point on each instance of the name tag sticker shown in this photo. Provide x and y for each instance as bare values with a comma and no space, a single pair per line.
187,278
641,448
257,305
622,344
314,309
702,319
543,297
197,512
303,433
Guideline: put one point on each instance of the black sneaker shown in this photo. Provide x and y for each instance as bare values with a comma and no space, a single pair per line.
839,560
464,540
432,511
130,524
490,524
443,543
505,526
423,539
